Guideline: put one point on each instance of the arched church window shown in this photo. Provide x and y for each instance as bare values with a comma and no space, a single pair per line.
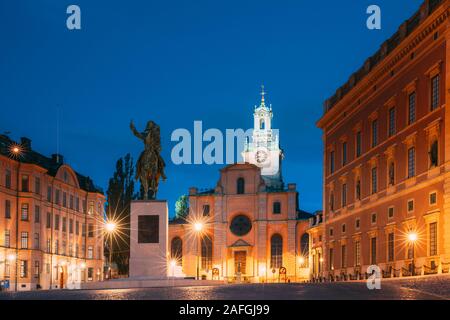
276,251
277,207
262,124
176,250
240,186
206,244
434,156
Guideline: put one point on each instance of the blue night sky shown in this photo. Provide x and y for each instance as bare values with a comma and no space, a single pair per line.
175,62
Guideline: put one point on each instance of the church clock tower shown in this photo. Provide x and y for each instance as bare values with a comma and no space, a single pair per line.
264,149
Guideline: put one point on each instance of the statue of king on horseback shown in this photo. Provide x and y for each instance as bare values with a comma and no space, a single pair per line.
150,166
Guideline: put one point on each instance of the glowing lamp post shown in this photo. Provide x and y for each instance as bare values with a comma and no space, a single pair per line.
412,238
110,228
198,228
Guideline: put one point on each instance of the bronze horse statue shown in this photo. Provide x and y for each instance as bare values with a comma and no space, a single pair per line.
150,166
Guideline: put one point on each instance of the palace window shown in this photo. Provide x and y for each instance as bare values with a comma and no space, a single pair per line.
240,186
37,185
49,194
57,196
25,183
37,244
206,210
410,206
24,240
412,108
433,239
71,202
36,269
176,250
357,224
357,253
70,225
358,144
64,224
374,133
57,222
434,154
411,162
344,228
24,212
332,162
7,209
374,181
77,228
49,245
344,195
206,246
276,251
56,247
332,201
344,153
48,224
23,268
433,198
358,189
391,212
90,254
90,230
37,214
373,251
391,247
391,173
64,200
435,92
391,122
374,218
277,207
8,178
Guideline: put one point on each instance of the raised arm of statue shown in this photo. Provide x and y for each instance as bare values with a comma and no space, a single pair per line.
135,132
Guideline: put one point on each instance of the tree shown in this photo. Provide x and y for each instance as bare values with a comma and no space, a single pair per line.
182,207
119,195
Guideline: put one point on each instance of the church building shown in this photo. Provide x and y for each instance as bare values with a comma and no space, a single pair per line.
249,227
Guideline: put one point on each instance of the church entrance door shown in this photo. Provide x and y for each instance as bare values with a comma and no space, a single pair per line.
240,260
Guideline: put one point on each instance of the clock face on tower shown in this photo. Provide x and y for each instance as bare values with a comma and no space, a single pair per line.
240,226
261,156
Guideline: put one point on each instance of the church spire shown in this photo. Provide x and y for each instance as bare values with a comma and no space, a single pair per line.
263,94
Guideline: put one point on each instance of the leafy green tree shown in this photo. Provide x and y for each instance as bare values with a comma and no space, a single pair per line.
120,193
182,207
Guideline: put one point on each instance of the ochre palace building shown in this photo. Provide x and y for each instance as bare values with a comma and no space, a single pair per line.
386,136
51,221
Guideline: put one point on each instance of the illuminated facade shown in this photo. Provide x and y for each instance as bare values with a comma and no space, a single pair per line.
248,228
51,219
386,170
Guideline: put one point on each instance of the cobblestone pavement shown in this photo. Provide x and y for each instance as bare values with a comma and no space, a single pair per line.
435,288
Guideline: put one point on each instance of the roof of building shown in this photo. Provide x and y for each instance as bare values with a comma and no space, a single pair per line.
303,215
51,164
426,9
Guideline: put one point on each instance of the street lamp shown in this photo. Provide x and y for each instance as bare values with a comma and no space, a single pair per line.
16,152
301,261
198,228
412,238
173,264
110,228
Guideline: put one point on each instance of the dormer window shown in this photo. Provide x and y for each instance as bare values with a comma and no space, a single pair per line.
262,124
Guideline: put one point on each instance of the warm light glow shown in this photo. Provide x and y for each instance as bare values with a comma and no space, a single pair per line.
321,260
11,257
198,226
110,226
63,263
15,149
301,260
412,237
83,265
173,263
262,269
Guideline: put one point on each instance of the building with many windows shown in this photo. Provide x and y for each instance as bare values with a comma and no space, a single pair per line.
51,219
386,148
249,227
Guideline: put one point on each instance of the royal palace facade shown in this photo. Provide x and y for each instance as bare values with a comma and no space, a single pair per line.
387,157
50,222
253,230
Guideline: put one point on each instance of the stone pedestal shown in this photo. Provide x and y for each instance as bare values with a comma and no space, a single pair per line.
149,239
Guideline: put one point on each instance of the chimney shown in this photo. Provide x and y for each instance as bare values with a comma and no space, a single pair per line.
57,158
26,143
